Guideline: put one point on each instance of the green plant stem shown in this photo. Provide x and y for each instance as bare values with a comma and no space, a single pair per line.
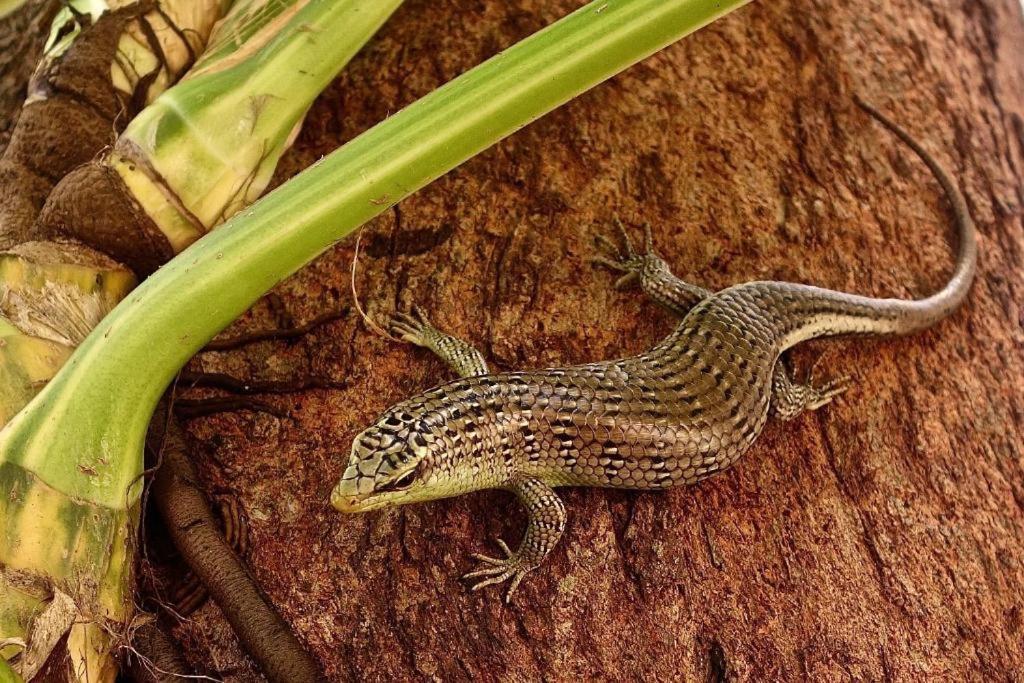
9,7
7,674
99,405
213,141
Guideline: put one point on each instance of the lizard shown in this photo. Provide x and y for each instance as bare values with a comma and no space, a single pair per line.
681,412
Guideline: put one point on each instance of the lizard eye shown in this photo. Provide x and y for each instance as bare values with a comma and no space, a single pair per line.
403,482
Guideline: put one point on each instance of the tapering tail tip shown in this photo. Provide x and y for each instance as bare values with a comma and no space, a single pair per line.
925,312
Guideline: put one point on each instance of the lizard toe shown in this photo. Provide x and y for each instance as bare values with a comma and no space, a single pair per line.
493,570
829,391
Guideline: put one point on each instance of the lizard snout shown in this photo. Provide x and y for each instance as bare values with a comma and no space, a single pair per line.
342,502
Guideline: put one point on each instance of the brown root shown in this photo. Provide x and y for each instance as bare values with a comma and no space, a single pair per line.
189,593
193,528
190,409
217,380
155,658
292,332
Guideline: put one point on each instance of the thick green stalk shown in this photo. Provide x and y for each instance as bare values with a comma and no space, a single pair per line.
66,542
207,148
247,25
65,563
7,674
121,370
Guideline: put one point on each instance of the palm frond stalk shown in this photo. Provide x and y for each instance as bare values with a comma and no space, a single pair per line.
68,540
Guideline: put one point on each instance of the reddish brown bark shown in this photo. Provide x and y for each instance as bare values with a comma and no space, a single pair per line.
880,538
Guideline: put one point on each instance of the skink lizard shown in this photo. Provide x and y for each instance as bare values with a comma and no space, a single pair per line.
679,413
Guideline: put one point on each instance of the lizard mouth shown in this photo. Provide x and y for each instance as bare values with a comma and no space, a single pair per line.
346,502
343,502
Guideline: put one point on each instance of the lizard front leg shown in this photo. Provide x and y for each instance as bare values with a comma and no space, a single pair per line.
465,360
546,522
656,280
789,398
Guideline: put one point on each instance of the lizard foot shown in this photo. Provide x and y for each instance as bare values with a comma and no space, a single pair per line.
630,262
415,329
817,396
492,570
821,394
791,399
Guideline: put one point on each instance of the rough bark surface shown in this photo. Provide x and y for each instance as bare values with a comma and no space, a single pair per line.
881,538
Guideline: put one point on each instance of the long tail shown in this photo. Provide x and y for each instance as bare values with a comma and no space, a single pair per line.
825,312
928,311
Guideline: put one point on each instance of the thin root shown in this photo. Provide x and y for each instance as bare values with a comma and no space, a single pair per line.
355,297
229,383
190,409
270,335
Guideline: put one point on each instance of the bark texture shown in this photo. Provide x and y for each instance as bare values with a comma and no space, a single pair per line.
881,538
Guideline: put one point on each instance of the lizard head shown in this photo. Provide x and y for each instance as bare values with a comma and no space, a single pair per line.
419,450
387,465
407,456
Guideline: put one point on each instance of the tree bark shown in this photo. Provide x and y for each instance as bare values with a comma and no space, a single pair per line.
881,538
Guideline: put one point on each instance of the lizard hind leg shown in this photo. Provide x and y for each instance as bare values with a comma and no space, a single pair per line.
790,399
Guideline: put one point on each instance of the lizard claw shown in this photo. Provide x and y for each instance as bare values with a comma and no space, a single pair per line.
628,261
493,570
827,391
411,328
631,262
